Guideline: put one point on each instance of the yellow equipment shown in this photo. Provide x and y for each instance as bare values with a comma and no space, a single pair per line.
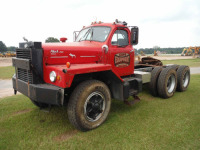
8,54
155,53
187,52
142,53
2,55
195,51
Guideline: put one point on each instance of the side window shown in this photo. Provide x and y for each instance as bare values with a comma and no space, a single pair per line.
120,37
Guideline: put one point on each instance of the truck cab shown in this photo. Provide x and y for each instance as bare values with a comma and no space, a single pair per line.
99,47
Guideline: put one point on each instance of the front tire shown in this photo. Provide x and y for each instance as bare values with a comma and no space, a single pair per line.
89,105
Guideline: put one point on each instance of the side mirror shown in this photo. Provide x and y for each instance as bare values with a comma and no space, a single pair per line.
134,35
75,34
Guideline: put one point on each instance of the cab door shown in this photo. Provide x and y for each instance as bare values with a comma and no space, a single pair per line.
122,53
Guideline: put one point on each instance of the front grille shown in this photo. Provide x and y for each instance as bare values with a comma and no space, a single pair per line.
25,75
23,53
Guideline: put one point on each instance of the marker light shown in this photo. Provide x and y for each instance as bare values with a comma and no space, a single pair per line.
68,64
52,76
63,39
58,78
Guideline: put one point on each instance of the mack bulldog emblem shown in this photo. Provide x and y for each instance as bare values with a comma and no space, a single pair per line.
122,60
72,55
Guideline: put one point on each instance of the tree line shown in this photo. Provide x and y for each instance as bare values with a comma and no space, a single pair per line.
176,50
4,48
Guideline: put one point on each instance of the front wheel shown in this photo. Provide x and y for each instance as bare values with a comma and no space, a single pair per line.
89,105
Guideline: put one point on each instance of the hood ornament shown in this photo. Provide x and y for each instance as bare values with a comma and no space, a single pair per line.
25,39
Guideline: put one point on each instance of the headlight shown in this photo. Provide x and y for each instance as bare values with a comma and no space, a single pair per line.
52,76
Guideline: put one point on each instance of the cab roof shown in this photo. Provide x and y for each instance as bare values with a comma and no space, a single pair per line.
112,25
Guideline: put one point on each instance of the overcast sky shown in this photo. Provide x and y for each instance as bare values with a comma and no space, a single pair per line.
165,23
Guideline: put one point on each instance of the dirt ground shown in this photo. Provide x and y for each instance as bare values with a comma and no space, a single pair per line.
5,62
171,57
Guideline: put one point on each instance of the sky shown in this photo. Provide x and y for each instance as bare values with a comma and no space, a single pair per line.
163,23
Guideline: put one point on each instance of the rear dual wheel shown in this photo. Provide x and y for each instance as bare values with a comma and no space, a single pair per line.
154,80
183,75
167,82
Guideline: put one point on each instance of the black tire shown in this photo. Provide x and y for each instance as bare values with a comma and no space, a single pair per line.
40,105
81,99
167,82
183,78
175,67
154,80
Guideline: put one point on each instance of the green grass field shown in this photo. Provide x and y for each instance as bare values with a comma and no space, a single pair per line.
187,62
6,72
153,123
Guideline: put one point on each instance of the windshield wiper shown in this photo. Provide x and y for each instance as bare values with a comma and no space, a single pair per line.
85,35
91,35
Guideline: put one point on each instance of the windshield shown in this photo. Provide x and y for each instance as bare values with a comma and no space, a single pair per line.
99,34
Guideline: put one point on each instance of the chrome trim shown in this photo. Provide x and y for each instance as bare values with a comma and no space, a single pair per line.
171,83
94,94
59,57
87,56
105,46
186,79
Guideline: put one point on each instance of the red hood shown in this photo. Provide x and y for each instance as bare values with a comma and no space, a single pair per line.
73,52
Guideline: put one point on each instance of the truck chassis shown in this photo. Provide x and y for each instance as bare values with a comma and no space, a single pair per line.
88,87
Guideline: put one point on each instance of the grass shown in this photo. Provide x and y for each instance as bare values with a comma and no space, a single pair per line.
6,72
188,62
153,123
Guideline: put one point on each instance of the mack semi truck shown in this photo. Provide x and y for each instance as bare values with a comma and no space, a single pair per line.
87,73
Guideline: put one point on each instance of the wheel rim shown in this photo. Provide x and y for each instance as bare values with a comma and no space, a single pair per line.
185,79
171,83
94,106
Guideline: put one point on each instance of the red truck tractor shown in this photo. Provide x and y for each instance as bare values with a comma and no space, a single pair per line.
87,73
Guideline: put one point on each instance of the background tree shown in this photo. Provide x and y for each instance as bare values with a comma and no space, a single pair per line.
51,40
171,50
156,47
3,47
11,48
